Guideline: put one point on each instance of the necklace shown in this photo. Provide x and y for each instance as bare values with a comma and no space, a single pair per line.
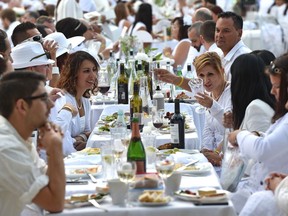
79,107
223,88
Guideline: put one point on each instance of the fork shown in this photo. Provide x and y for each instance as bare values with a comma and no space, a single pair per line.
93,179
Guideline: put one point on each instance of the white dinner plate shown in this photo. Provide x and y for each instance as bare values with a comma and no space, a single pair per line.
151,204
197,169
71,204
172,151
220,196
80,171
166,130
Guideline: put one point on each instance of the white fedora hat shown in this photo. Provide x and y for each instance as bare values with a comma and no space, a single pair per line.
75,41
29,54
63,44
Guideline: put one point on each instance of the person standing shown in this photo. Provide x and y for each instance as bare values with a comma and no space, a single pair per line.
228,38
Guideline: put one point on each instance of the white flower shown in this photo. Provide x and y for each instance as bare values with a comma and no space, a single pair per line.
142,57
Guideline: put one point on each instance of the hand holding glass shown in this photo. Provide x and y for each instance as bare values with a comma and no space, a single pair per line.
196,85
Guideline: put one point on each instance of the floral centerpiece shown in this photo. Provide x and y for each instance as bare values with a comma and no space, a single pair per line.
128,42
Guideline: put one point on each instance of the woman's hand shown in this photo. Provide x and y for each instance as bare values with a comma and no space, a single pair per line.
166,76
204,99
167,52
274,180
232,137
214,158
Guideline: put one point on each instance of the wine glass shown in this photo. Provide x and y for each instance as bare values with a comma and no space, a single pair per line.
103,83
126,171
157,119
165,167
118,149
196,85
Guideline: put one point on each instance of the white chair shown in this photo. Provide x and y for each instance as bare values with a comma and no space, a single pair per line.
143,36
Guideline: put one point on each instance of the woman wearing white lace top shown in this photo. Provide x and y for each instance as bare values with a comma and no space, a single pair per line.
78,79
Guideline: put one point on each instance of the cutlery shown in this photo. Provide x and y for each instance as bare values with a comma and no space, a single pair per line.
93,179
97,205
186,165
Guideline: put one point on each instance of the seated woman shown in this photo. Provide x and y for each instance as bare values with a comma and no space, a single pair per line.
78,79
179,32
122,12
209,68
268,151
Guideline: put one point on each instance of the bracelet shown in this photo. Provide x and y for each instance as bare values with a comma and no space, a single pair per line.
65,107
181,81
216,151
84,137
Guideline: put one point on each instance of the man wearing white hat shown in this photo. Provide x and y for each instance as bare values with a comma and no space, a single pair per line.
31,56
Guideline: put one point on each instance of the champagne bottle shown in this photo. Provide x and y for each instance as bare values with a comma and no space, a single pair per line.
122,86
177,127
136,151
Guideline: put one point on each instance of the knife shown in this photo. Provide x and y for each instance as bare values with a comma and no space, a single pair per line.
97,205
93,179
186,165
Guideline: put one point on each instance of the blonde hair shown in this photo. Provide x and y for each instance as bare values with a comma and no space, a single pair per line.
208,58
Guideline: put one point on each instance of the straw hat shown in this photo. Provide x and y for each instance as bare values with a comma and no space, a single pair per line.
29,54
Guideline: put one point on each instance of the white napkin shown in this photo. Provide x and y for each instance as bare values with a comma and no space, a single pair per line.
184,158
83,160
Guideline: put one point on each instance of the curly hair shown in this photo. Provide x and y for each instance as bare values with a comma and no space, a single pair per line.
69,75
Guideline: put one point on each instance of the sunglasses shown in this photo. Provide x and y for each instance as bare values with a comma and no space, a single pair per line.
43,97
47,54
36,38
274,69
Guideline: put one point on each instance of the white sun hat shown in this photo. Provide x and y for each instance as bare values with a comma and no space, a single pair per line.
76,41
29,54
64,46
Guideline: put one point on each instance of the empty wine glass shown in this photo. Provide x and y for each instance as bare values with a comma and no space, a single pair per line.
126,171
196,85
103,83
165,167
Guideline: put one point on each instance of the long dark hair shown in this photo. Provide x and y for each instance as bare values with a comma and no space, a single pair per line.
144,15
284,12
279,67
247,84
68,78
183,28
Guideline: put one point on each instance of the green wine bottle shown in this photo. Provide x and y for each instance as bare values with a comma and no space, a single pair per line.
135,101
136,151
122,86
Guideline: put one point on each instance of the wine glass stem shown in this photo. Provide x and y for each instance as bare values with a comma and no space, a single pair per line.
103,98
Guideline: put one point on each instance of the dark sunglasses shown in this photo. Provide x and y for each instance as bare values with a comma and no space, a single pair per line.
36,38
47,54
44,97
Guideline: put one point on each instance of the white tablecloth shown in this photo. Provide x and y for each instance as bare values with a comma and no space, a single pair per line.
176,207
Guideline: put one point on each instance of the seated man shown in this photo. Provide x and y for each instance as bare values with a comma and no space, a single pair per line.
25,178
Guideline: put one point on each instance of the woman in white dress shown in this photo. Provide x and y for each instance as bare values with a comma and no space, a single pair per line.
269,150
122,13
179,32
78,79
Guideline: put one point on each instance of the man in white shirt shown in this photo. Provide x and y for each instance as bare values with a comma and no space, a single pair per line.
207,37
24,178
228,38
9,21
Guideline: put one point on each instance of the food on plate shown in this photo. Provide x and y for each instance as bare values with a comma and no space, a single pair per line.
182,95
169,115
165,146
191,168
207,191
79,197
104,128
97,196
110,118
172,151
102,189
153,197
91,170
91,151
187,192
147,181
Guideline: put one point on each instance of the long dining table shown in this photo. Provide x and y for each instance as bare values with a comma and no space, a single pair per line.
175,207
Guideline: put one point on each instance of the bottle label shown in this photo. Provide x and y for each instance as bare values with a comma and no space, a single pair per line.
122,93
174,130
